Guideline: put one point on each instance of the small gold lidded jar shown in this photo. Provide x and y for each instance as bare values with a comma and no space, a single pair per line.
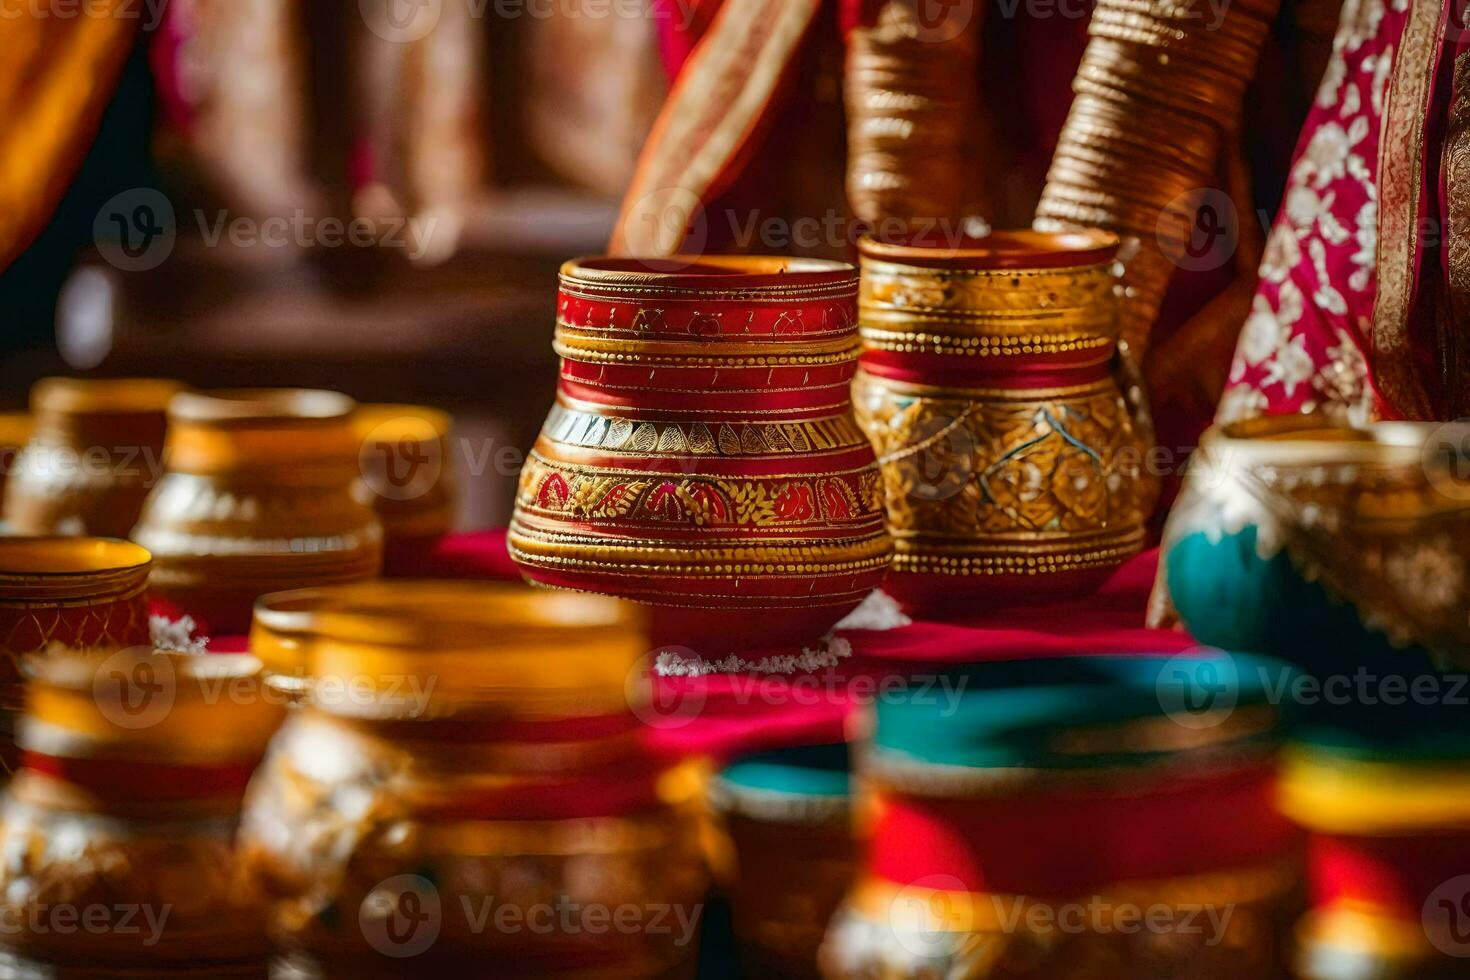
263,492
466,784
408,465
1013,463
117,853
95,451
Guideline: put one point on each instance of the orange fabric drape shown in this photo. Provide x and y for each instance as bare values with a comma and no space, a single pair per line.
57,74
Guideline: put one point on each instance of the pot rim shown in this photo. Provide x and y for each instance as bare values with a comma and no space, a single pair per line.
56,557
1314,438
250,405
998,250
104,396
709,272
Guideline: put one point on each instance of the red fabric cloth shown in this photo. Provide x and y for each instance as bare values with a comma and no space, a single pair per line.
727,715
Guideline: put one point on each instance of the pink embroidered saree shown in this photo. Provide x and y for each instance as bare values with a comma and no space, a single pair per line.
1361,309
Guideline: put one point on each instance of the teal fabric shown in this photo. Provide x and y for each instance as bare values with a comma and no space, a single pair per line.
812,770
1231,598
1018,714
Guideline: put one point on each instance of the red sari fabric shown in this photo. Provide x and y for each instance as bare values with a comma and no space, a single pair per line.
726,715
1347,318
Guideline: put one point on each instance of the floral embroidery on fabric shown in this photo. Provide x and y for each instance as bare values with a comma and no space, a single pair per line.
1301,349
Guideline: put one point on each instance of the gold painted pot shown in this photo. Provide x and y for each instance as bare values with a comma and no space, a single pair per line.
1012,463
408,465
702,456
95,451
123,816
262,493
484,746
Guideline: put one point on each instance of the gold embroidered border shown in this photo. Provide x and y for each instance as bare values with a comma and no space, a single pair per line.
1400,174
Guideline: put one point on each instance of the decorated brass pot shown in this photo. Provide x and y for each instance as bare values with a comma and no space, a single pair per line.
1325,545
117,835
262,493
702,454
785,853
408,466
1013,464
95,451
1086,818
465,785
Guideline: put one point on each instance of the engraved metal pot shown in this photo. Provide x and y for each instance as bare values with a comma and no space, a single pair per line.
1013,465
702,455
262,493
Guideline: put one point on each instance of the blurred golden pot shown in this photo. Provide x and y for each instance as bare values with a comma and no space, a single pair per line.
262,493
95,451
483,746
406,463
124,813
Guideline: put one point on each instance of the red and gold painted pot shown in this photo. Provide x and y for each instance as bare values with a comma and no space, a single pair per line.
77,593
702,454
263,492
1013,463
